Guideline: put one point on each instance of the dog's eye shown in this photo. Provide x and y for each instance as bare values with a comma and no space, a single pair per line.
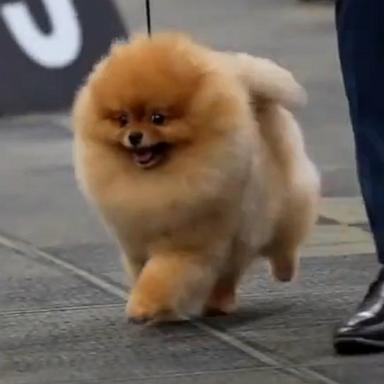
122,119
158,119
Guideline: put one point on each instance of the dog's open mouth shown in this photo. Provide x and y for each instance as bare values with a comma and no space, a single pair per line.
147,157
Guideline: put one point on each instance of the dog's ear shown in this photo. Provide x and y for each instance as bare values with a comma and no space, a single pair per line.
268,82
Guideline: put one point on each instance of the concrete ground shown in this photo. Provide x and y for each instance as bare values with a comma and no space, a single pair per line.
62,289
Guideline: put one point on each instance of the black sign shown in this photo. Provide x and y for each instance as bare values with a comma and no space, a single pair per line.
47,47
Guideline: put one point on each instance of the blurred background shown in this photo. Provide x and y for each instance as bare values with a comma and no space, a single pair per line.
48,47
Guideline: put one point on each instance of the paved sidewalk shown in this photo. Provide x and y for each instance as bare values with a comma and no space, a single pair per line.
62,321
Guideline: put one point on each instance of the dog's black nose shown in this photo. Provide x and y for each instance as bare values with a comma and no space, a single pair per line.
135,138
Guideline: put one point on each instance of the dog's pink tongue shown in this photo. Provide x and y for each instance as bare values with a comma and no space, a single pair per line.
144,157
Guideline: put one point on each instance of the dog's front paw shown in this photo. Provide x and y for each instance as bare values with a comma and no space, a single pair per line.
142,309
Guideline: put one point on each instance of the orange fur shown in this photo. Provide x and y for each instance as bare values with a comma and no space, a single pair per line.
234,181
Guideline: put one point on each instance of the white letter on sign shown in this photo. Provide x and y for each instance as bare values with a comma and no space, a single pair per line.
55,50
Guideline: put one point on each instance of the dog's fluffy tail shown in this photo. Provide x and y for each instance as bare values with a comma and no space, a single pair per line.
268,82
273,91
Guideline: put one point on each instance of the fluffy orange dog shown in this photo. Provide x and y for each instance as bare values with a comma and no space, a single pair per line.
197,167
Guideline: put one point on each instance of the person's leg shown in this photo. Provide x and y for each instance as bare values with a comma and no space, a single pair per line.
360,29
360,26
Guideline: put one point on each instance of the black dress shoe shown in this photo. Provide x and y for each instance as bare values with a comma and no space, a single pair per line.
364,331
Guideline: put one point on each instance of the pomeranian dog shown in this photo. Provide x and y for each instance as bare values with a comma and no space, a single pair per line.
197,167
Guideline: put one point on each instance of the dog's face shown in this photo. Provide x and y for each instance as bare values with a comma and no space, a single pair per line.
152,98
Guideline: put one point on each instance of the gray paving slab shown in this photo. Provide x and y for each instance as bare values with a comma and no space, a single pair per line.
39,198
27,284
337,274
290,324
102,259
357,371
297,322
97,344
56,326
265,376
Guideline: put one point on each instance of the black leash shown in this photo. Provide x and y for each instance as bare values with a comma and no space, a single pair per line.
148,13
